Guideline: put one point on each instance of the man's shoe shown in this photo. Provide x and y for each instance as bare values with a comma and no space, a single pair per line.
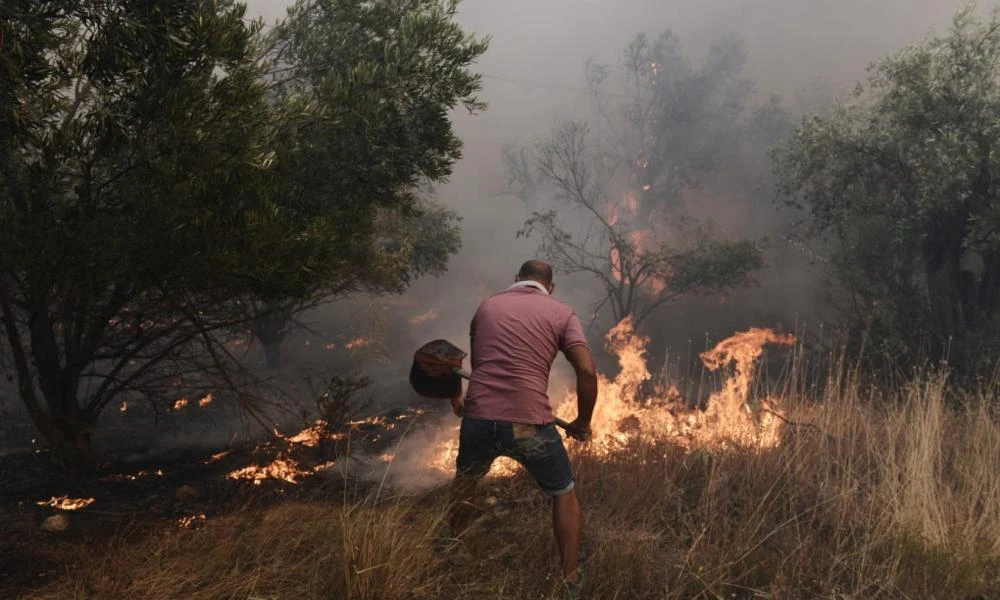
574,589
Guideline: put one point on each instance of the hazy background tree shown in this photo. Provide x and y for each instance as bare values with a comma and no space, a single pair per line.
364,92
899,182
624,181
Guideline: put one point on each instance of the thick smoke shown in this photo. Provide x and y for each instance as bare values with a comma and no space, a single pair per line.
807,52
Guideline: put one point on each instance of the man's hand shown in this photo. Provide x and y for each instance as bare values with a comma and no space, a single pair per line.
458,405
579,430
586,387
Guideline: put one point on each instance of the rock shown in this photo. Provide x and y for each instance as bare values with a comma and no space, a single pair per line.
186,493
55,523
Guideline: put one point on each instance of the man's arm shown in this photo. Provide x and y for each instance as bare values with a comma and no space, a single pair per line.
458,402
586,390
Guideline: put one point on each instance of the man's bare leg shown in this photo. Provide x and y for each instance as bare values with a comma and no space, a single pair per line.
567,521
462,507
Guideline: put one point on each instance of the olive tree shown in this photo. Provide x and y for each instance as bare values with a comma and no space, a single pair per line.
154,168
365,91
899,182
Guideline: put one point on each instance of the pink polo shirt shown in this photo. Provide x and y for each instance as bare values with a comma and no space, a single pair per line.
516,335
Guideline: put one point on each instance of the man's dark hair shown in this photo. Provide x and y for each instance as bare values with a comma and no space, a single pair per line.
536,270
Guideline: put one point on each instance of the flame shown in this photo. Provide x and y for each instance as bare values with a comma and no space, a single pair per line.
631,202
444,452
310,436
727,409
283,469
189,522
324,466
653,284
612,214
133,476
621,416
376,421
180,403
206,400
123,407
638,239
66,503
218,456
424,317
357,343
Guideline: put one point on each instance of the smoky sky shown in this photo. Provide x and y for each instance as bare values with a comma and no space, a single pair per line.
534,77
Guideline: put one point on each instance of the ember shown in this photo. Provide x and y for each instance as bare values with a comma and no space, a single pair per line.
133,476
66,503
180,403
206,400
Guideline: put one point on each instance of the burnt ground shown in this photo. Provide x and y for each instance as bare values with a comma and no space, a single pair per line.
133,499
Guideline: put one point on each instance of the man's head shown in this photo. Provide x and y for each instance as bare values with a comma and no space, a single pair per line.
536,270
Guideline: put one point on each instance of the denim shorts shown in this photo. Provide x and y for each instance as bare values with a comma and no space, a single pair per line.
538,447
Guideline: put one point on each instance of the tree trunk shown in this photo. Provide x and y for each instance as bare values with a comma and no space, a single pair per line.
69,439
272,352
270,329
942,258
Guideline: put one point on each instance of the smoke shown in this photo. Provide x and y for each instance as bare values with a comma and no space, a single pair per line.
806,52
534,78
422,458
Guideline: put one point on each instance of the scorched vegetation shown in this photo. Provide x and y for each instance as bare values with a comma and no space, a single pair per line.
868,491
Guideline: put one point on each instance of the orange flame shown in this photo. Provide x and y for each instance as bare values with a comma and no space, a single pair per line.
180,403
639,239
218,456
206,400
310,436
358,343
66,503
132,476
424,317
620,416
191,521
283,469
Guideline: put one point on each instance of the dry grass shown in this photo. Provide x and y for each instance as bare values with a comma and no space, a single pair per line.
886,494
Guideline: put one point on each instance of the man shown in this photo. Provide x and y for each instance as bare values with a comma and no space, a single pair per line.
516,335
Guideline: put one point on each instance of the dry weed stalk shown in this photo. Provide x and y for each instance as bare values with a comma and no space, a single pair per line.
888,493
